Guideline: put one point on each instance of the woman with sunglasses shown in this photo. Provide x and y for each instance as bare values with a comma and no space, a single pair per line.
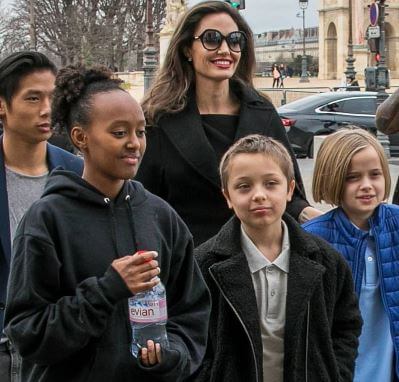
201,102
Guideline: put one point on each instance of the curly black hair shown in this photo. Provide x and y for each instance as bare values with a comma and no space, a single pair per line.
75,86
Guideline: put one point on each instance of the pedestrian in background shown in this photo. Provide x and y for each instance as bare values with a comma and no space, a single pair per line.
26,88
283,75
290,71
352,84
202,101
283,304
352,173
75,260
276,75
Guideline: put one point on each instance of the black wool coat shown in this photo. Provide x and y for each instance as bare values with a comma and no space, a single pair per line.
323,321
180,164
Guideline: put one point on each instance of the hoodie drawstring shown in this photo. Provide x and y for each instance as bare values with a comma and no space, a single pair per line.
131,222
108,202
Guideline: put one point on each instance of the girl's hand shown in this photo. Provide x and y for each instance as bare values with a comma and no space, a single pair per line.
138,271
309,213
151,355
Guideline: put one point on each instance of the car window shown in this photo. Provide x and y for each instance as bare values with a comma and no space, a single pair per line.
333,107
302,103
359,106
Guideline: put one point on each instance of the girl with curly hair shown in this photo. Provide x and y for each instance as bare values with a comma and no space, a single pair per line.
76,260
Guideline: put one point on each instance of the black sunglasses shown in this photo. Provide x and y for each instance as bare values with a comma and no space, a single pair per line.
212,39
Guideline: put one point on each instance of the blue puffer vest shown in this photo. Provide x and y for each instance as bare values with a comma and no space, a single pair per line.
351,242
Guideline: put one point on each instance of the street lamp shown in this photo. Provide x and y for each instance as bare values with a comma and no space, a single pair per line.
32,25
303,4
350,68
150,62
382,75
383,80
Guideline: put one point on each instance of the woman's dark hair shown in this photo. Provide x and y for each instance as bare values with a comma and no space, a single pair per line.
18,65
75,87
168,94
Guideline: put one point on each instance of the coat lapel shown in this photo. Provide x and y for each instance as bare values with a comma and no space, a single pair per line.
253,119
53,158
5,235
186,133
233,277
303,278
5,240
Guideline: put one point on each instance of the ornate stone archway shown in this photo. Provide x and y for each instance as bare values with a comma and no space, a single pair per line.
337,12
332,51
333,36
392,46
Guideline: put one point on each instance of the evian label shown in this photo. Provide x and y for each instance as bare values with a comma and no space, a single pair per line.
148,311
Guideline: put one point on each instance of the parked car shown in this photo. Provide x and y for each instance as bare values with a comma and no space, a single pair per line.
324,113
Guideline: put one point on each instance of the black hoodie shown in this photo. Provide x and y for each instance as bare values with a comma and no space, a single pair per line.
67,310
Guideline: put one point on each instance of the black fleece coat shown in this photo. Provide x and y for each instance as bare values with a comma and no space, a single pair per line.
323,321
180,164
67,308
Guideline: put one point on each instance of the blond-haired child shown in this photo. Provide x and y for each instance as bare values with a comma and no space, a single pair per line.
352,173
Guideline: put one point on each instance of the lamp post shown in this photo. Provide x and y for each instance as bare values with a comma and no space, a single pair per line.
32,25
382,75
150,62
350,68
303,4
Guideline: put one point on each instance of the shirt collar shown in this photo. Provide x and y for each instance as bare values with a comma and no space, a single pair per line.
257,261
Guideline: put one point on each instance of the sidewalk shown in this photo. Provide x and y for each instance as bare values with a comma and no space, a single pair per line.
266,82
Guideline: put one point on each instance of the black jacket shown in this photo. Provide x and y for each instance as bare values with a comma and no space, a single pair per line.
55,157
181,167
322,316
67,311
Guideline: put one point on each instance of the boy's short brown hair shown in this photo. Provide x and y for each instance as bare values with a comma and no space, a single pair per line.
333,160
257,144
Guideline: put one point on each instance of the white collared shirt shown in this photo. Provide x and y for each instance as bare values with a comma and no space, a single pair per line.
270,283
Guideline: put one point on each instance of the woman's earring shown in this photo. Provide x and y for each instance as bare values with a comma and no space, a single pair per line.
189,59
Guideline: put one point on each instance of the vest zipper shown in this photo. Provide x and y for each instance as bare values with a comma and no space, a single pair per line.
357,275
242,323
382,286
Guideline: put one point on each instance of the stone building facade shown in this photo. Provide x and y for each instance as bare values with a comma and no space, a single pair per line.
334,33
283,46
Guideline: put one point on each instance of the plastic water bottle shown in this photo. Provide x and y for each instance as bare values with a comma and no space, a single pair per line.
148,315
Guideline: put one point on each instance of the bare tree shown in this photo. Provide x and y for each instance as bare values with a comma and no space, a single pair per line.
14,33
87,31
3,22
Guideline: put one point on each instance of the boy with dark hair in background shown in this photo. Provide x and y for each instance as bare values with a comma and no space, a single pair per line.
26,87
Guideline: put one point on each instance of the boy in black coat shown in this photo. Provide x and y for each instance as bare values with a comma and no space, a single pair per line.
284,307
